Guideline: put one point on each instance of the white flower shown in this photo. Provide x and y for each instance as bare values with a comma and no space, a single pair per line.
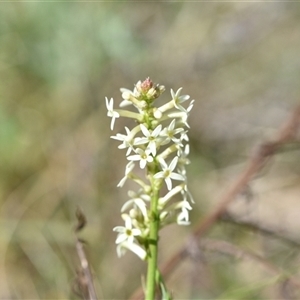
183,157
179,99
126,233
183,216
170,133
158,113
163,200
167,172
138,250
184,136
128,169
187,194
137,202
190,106
150,137
139,194
127,140
111,112
183,115
125,102
143,156
132,97
137,88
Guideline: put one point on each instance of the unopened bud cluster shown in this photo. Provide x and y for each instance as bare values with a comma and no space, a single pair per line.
159,145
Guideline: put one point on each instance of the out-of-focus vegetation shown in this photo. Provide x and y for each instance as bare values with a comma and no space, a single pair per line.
58,61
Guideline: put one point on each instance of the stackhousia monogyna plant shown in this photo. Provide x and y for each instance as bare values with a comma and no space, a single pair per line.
158,144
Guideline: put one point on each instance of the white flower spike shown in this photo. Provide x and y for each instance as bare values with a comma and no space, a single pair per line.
159,143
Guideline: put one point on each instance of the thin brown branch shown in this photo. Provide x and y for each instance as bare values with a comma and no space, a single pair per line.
84,276
86,281
286,134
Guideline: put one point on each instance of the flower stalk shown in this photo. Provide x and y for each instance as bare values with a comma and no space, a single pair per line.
159,146
153,247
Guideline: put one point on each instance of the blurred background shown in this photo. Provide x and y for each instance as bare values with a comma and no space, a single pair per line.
58,61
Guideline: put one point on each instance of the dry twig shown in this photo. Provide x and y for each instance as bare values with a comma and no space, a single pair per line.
84,277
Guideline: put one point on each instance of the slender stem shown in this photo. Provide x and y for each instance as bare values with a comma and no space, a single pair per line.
87,281
153,248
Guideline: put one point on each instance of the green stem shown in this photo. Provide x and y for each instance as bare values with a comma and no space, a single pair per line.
153,248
